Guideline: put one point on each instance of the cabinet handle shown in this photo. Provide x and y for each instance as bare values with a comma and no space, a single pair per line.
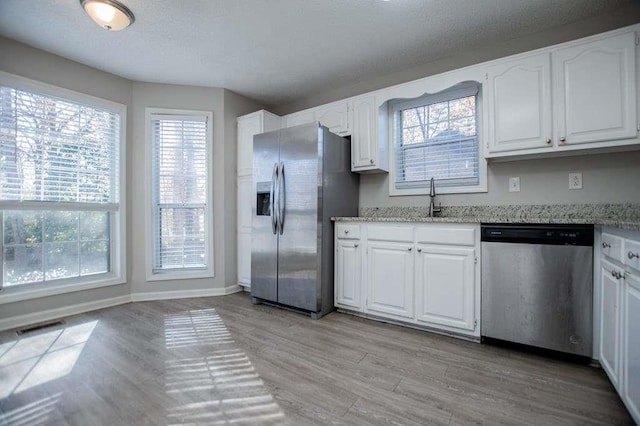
563,139
614,274
346,231
356,245
631,255
410,248
605,245
371,161
548,141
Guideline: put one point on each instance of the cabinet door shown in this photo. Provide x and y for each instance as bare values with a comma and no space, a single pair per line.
347,274
519,99
631,355
247,127
335,116
298,118
364,138
595,91
390,278
245,208
445,286
610,300
244,259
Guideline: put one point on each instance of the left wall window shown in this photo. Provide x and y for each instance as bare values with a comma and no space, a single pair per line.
60,187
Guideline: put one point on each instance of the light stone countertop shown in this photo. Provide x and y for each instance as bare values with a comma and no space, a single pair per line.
623,216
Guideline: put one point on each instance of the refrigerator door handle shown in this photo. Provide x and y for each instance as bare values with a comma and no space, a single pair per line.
281,199
272,194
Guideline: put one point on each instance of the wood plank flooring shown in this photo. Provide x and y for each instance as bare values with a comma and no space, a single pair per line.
223,360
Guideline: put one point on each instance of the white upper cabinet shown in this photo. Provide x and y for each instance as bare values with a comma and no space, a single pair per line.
368,150
335,116
595,91
248,126
519,104
298,118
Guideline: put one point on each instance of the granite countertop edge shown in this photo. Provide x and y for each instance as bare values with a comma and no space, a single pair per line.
520,219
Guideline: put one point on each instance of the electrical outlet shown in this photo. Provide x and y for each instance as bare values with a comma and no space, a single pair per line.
575,180
514,184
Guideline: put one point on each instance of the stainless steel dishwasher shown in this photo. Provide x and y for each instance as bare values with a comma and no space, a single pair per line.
537,286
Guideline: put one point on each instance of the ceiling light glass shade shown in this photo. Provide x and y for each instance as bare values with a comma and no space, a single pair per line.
109,14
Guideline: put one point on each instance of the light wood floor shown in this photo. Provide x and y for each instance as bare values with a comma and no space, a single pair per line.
224,361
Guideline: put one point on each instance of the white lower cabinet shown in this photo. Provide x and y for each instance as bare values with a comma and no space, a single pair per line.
390,278
610,298
422,274
348,268
631,349
445,286
620,314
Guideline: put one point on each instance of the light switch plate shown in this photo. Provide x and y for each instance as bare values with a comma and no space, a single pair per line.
514,184
575,180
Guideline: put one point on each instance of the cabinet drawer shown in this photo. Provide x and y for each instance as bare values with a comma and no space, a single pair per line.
631,254
348,231
611,246
390,233
462,236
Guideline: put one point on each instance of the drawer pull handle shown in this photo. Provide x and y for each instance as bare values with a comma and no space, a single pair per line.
355,245
548,141
606,245
346,231
631,255
617,275
419,250
410,248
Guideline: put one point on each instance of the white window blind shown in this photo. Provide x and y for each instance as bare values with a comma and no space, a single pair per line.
59,186
180,192
437,136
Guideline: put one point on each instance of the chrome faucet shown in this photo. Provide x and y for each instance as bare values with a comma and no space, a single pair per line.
432,197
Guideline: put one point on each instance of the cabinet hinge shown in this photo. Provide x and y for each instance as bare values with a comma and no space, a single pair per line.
475,324
637,40
486,76
475,260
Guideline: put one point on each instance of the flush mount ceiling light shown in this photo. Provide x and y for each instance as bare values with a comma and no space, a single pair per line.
109,14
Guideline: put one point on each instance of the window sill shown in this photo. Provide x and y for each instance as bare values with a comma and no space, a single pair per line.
393,192
180,275
35,291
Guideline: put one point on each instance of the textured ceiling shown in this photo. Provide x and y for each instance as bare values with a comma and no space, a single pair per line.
278,51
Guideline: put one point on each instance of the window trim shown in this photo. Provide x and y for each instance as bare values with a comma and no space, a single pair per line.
118,248
446,94
178,274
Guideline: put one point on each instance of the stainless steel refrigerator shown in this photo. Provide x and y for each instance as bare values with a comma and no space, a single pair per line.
302,177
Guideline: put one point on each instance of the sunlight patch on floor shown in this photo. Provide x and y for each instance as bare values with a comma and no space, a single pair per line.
34,360
220,386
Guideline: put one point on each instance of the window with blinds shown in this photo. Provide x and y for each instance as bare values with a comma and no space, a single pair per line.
180,191
436,136
59,184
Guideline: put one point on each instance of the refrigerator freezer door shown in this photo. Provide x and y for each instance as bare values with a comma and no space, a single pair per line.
300,181
264,241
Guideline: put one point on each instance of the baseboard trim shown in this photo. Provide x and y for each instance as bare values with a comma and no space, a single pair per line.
184,294
52,314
